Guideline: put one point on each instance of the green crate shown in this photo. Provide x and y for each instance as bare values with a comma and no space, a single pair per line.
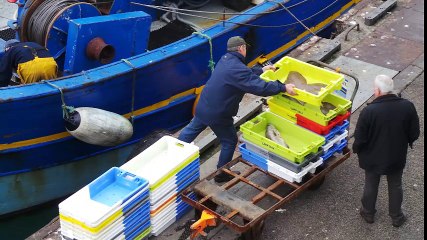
287,107
301,141
311,73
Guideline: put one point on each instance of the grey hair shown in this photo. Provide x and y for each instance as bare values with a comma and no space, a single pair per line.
384,83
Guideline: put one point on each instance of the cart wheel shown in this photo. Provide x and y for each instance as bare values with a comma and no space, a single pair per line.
317,184
254,233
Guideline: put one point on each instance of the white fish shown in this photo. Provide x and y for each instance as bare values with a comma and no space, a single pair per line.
273,134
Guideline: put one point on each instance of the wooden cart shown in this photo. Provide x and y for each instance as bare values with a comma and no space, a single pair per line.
246,216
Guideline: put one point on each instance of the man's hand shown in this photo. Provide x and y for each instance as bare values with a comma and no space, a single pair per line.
269,67
290,89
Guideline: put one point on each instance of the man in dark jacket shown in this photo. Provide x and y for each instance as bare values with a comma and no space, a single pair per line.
220,98
383,132
29,60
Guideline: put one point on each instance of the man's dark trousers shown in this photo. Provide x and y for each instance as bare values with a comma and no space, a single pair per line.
226,133
395,194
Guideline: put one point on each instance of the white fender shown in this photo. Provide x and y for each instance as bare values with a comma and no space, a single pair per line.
100,127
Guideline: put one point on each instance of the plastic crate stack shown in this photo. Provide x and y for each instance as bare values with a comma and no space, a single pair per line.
114,206
304,109
170,166
292,163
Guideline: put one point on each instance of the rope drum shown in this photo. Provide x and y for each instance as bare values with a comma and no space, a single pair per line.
40,21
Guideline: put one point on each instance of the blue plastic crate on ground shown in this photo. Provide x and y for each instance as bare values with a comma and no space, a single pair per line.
111,205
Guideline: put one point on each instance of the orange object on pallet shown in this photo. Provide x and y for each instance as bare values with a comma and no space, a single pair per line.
206,220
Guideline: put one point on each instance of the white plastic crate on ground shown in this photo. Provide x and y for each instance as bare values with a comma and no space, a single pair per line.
110,206
170,166
276,169
169,215
124,228
177,182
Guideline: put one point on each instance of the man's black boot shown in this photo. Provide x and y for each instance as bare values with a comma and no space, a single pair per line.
399,221
367,217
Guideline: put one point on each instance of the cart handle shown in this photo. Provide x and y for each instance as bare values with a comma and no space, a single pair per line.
339,70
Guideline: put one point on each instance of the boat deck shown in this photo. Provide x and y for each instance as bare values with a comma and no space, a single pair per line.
200,19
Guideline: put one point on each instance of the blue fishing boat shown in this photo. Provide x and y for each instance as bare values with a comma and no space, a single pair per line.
146,60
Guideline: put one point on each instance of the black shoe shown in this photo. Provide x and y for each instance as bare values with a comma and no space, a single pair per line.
400,221
225,177
368,218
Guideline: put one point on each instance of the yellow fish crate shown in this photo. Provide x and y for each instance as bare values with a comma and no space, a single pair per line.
312,83
301,141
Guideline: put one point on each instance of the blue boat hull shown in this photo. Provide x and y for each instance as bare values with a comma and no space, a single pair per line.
33,139
55,182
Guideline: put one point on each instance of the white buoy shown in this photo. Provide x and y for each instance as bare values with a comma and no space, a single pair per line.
99,127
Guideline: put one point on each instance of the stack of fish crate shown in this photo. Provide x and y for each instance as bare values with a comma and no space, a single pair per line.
114,206
316,108
299,132
170,166
281,147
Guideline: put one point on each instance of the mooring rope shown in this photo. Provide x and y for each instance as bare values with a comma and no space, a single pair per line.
66,110
211,64
295,17
133,87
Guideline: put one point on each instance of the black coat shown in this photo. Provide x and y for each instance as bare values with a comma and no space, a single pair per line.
383,132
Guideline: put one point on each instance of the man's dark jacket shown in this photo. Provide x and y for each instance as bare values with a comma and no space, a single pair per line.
19,53
231,79
383,132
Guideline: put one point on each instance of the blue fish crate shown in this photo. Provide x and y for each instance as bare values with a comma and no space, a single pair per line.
251,148
337,130
338,147
116,186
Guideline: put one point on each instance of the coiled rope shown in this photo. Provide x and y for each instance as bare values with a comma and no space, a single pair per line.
40,20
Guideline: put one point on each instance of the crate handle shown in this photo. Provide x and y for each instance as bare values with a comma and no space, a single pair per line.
129,176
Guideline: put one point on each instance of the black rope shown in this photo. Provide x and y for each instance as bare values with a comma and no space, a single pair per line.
40,20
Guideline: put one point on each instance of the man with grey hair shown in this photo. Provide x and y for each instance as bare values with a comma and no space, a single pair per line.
220,98
384,130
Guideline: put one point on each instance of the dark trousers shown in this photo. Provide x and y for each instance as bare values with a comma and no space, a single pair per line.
226,134
395,193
